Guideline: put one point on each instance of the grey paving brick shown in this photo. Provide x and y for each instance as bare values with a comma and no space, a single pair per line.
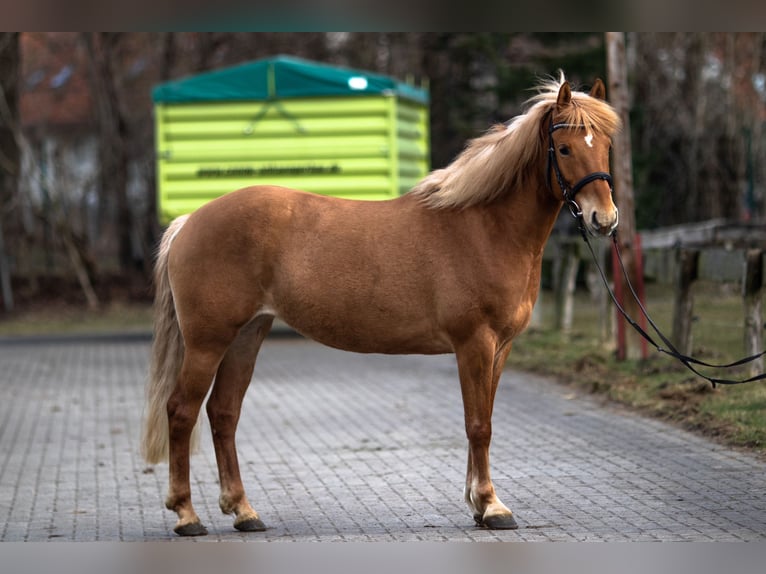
343,447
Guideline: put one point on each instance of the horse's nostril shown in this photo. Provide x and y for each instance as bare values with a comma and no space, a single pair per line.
598,225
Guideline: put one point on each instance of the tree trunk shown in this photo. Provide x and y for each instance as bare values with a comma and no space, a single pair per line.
167,56
693,46
113,160
10,158
622,174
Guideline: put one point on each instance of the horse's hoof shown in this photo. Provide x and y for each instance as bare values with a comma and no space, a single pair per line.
191,529
499,522
478,519
250,525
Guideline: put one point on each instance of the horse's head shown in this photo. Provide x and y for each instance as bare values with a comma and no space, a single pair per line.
578,160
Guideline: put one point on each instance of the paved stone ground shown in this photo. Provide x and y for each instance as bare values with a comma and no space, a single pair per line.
336,446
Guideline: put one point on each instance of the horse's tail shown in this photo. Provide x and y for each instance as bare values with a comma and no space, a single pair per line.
166,357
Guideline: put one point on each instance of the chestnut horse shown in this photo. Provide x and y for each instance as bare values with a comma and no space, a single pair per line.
451,267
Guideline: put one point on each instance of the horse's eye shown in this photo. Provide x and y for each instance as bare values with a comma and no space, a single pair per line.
564,149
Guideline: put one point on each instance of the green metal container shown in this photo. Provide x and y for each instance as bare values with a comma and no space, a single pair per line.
291,122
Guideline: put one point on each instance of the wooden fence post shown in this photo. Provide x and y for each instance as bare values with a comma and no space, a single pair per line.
5,275
600,295
565,286
752,287
683,300
536,320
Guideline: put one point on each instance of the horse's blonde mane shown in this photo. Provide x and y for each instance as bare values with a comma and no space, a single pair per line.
495,163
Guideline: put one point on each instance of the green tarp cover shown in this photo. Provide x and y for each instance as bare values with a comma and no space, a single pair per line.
281,77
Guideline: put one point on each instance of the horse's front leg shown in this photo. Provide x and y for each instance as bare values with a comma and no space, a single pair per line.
480,362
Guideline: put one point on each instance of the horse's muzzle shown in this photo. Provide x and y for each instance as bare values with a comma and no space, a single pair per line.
599,223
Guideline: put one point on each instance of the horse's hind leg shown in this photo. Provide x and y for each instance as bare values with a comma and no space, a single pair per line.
194,380
223,408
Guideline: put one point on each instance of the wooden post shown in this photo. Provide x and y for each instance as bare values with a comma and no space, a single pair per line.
752,287
566,285
622,174
599,294
5,275
537,310
683,301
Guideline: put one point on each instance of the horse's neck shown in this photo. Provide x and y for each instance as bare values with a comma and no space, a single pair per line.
526,216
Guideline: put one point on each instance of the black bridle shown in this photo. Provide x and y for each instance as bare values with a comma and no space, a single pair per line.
569,193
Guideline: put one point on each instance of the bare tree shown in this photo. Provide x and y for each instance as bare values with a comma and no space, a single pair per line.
697,105
9,154
56,213
102,48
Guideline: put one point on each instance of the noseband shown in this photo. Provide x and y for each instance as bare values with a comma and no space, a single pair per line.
570,191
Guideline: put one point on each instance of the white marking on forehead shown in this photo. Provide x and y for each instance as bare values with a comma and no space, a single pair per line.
589,139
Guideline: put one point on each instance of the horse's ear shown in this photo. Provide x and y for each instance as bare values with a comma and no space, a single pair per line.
598,90
565,95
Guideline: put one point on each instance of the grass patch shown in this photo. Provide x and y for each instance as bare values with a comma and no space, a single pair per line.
659,386
58,319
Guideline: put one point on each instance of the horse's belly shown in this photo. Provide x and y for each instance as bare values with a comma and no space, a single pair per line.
390,346
368,334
